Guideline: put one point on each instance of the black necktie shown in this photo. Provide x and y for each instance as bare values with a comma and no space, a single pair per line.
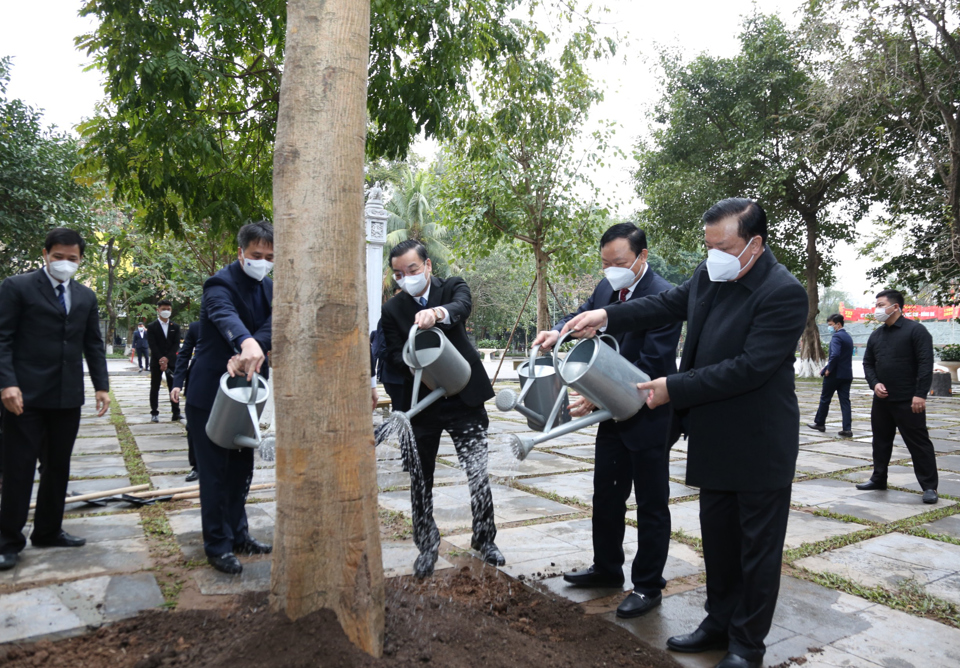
63,300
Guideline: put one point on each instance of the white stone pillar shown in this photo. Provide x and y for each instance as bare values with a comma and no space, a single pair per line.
376,225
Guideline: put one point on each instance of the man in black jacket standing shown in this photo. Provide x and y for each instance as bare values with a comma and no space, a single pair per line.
142,347
181,376
898,364
632,453
837,377
164,338
428,301
735,398
48,324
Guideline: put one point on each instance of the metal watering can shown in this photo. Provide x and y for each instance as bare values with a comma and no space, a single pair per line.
543,397
235,417
436,363
599,373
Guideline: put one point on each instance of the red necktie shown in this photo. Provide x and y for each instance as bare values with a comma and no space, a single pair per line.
623,294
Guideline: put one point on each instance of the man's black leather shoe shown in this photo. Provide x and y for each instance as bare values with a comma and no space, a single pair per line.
423,566
154,418
63,539
252,546
845,434
176,418
818,427
732,660
194,475
698,641
636,605
930,496
226,563
491,554
8,561
870,484
591,578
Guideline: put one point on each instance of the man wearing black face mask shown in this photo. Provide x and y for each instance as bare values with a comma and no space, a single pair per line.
898,364
633,453
735,398
49,324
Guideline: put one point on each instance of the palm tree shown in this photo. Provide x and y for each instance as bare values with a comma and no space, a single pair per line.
412,217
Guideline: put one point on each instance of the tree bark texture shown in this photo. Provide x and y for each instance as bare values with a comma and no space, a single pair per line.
543,305
811,356
326,541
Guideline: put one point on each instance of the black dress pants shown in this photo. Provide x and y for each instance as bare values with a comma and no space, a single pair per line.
885,418
616,471
467,427
743,534
156,376
225,477
143,358
40,434
842,389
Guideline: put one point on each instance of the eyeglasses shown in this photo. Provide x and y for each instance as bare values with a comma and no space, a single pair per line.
397,275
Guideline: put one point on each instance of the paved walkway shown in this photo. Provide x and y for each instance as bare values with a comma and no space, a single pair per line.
857,562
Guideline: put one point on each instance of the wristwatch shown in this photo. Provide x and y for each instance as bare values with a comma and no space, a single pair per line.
438,313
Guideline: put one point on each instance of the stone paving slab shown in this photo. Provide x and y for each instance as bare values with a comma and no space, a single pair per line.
160,428
398,558
166,462
96,466
855,449
451,505
97,431
905,477
578,451
161,443
844,498
187,528
949,526
537,462
886,561
815,462
390,475
949,463
127,555
104,445
35,614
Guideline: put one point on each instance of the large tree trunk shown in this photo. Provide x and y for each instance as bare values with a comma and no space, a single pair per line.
543,305
327,541
811,356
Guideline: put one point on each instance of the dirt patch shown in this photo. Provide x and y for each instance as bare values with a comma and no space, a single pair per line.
460,620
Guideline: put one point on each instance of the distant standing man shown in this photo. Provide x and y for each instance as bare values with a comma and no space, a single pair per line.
632,454
48,324
735,399
181,377
142,347
898,364
164,338
428,302
837,377
235,337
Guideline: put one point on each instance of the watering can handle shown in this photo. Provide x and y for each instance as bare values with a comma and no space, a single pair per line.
613,340
254,388
532,370
413,348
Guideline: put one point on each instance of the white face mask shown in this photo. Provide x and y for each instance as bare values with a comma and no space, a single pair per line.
881,313
621,277
141,328
413,285
166,314
256,269
62,270
724,266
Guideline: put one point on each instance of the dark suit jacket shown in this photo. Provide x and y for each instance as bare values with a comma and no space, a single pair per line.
735,391
227,319
653,351
386,372
397,318
42,348
840,361
140,342
164,346
185,355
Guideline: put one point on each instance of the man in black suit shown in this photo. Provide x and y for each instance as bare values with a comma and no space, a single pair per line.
48,324
164,339
142,347
734,397
181,377
428,302
632,453
837,377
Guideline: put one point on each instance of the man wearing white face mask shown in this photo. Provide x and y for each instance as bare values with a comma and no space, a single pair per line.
164,339
734,397
236,318
631,454
48,324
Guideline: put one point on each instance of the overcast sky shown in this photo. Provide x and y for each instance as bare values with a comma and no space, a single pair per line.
48,73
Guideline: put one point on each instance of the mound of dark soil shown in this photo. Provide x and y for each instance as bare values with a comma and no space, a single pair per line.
461,620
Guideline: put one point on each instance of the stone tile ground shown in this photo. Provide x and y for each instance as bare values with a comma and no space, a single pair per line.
543,514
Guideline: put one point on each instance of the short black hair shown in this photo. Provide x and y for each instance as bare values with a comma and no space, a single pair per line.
837,318
164,302
750,215
892,296
258,231
64,236
628,231
405,246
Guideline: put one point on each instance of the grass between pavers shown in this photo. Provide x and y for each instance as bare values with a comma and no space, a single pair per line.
395,524
128,445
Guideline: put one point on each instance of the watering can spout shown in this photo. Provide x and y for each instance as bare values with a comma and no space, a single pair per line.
522,445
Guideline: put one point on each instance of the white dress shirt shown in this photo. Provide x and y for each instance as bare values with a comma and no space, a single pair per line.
646,265
426,297
66,287
165,326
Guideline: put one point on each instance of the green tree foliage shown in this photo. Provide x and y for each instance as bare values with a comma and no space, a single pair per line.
412,216
519,170
904,58
37,190
193,86
746,126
